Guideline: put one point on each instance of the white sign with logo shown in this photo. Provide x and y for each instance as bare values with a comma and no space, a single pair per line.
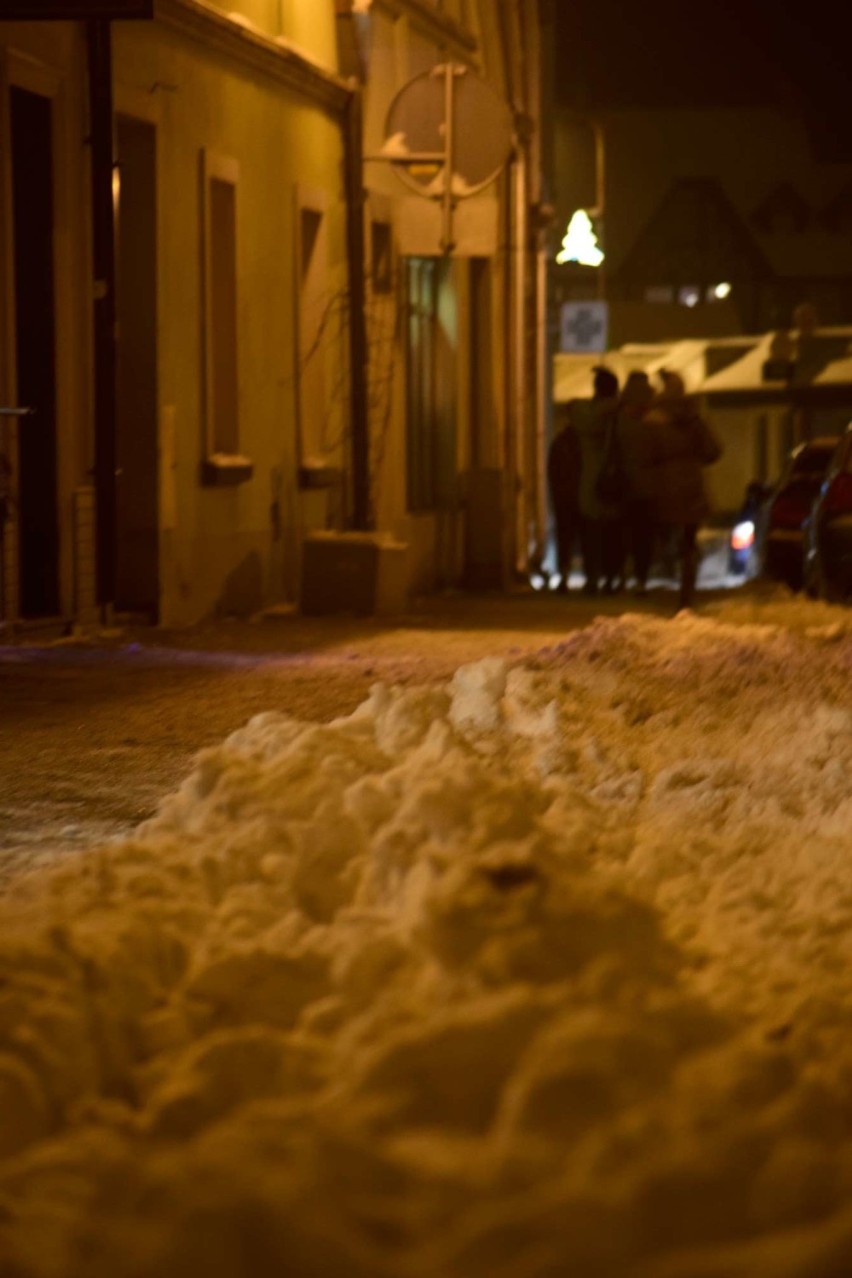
584,327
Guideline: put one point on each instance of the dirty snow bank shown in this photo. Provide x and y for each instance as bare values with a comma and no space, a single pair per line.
544,972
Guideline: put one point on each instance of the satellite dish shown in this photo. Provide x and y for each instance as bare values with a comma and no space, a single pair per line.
447,121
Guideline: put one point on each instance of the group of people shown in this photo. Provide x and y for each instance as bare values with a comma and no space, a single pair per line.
625,474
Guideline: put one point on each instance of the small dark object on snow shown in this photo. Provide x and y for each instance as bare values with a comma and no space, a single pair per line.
508,877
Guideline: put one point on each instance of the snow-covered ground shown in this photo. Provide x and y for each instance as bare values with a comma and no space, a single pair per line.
542,972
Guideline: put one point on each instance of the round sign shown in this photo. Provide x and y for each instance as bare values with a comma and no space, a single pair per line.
416,141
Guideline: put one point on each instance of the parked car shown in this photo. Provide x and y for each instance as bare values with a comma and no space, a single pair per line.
781,527
828,536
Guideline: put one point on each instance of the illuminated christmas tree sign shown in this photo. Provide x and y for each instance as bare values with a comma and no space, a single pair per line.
580,243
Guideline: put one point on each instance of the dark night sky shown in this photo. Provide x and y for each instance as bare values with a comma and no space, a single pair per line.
727,53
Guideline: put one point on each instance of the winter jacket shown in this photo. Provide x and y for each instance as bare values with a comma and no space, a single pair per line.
636,447
563,467
592,419
681,445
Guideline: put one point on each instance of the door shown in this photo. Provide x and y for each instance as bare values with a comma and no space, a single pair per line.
137,480
431,383
31,130
483,414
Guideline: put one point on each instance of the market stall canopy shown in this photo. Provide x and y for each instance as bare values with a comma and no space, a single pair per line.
821,358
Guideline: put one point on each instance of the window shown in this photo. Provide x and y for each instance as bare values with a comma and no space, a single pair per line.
318,317
223,463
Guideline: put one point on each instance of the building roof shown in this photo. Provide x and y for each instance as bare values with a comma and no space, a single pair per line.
825,359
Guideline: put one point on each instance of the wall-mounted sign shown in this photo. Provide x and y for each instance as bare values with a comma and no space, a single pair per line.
448,135
584,327
73,10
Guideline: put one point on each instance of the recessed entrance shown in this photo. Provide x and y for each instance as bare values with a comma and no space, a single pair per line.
35,337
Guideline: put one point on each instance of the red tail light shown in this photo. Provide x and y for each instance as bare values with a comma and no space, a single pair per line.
742,537
838,499
789,510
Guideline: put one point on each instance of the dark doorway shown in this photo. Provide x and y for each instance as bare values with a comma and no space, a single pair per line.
483,413
137,545
431,408
35,329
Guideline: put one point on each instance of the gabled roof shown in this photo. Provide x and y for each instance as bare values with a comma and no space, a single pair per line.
695,236
782,206
837,214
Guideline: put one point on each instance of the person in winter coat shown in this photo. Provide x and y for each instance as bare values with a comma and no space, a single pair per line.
594,421
681,445
563,475
635,443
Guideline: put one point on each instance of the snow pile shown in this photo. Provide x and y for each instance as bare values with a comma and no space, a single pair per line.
545,972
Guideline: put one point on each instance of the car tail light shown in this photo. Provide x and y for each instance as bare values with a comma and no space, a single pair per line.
838,498
742,536
789,510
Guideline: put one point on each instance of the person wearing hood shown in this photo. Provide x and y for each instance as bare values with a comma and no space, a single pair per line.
635,443
681,444
563,474
593,421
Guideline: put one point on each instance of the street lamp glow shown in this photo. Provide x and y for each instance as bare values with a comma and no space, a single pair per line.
721,291
580,243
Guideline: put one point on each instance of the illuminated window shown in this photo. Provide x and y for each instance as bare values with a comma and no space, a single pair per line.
718,292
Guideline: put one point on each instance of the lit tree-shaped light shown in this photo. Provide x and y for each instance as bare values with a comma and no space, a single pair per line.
580,243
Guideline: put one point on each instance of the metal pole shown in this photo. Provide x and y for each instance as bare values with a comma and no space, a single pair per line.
447,244
103,260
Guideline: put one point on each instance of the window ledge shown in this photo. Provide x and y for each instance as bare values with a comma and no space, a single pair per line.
314,474
224,470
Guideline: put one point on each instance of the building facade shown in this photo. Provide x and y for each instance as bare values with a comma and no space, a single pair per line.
294,352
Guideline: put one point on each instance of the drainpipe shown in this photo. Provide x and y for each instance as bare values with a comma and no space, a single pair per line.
358,349
512,325
539,37
99,48
509,468
519,316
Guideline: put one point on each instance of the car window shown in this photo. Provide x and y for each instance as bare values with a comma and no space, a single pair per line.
844,461
812,461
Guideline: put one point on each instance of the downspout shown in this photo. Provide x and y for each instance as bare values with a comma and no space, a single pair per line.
526,346
534,396
520,359
352,123
510,476
542,44
511,301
